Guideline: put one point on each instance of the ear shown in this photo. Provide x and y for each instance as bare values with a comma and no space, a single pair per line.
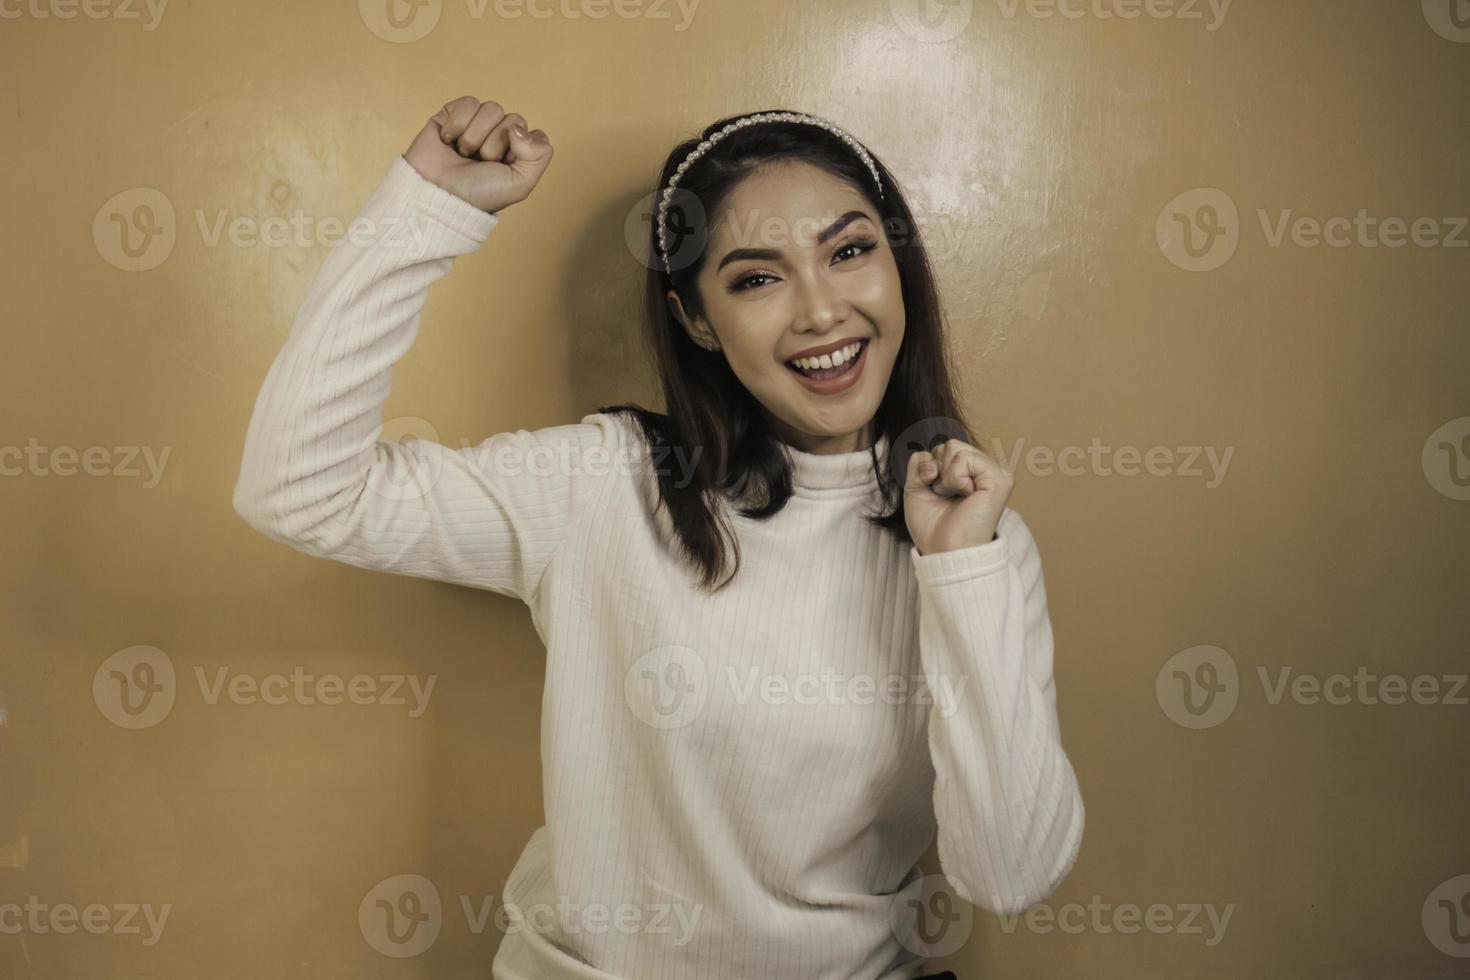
698,330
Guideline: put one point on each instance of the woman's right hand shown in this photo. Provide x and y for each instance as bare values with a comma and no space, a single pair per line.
472,150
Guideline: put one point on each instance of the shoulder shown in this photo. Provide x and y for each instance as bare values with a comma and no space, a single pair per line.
625,427
632,441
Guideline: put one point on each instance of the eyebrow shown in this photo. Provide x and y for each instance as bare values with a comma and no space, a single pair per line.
771,254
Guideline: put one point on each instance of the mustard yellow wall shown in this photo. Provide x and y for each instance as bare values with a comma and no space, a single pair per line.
1103,197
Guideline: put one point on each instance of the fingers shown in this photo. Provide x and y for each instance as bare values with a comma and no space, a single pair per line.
456,116
954,467
500,145
922,471
478,130
528,161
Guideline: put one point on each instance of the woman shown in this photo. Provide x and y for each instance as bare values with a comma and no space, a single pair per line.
695,575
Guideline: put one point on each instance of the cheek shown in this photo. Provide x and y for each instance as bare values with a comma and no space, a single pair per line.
882,295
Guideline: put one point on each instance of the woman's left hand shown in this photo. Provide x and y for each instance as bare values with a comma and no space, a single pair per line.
954,496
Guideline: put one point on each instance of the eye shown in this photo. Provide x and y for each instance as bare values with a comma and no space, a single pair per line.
864,245
740,285
858,248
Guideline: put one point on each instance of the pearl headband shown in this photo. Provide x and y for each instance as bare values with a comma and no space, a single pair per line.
760,117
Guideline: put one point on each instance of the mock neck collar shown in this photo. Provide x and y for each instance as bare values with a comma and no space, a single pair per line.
835,471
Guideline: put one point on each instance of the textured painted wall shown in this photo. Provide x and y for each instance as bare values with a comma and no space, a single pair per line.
1205,267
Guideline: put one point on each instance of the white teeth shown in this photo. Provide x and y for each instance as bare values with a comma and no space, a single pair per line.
834,359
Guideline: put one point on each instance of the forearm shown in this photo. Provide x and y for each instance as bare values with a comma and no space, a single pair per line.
311,440
1007,801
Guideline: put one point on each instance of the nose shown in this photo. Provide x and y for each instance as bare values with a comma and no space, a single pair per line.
821,305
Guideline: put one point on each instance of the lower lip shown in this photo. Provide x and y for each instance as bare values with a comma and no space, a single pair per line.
844,381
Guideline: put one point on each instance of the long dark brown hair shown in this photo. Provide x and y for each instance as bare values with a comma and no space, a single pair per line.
741,456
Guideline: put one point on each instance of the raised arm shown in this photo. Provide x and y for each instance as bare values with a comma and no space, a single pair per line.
1006,799
314,474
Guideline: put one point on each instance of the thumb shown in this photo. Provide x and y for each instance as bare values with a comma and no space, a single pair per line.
530,155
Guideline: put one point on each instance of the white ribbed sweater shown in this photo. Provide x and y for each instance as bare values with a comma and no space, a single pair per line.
736,785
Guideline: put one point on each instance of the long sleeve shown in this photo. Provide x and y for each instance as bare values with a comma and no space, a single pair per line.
316,477
1006,800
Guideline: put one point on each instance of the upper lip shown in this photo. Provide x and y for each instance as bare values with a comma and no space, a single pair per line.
826,348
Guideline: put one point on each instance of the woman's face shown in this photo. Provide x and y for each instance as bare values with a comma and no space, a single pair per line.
797,260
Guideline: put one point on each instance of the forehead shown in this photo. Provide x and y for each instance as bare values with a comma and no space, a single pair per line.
783,203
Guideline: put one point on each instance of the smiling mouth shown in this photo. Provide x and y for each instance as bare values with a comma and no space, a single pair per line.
818,373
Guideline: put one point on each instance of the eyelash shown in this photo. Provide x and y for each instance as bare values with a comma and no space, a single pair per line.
863,246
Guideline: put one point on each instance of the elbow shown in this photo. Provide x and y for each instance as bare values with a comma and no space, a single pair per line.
1036,874
256,508
248,505
317,529
253,505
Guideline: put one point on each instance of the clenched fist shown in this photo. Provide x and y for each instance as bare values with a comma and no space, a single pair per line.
479,152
